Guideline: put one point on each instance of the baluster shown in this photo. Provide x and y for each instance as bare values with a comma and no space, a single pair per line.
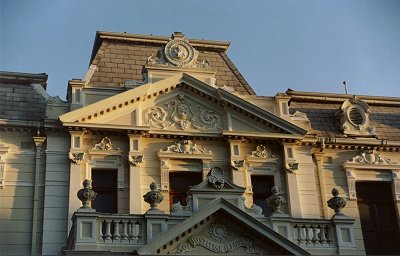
328,235
124,235
116,235
322,236
101,230
315,238
308,236
107,235
300,238
130,235
136,231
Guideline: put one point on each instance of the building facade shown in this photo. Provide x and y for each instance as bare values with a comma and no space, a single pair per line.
164,148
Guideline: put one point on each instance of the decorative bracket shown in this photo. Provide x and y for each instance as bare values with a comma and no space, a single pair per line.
76,157
3,152
135,160
237,164
292,167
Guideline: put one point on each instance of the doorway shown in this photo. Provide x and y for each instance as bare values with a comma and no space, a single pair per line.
105,185
378,217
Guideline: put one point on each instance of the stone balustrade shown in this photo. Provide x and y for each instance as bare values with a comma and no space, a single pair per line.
318,233
120,229
99,231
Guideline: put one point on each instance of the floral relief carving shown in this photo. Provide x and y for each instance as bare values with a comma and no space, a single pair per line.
370,157
183,114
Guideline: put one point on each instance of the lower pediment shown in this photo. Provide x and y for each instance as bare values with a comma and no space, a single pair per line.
220,229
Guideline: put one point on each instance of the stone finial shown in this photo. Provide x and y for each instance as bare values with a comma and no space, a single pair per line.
153,197
86,195
336,203
276,200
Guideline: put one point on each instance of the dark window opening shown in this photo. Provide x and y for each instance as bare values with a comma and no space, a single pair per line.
179,183
262,185
104,183
379,222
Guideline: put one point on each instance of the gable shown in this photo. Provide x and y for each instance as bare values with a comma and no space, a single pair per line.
179,103
221,228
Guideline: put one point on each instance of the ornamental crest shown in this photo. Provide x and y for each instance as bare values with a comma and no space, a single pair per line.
262,152
183,114
187,147
105,144
370,157
179,53
216,178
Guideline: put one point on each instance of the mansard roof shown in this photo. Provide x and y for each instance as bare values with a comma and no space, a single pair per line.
90,115
119,57
19,100
321,108
220,212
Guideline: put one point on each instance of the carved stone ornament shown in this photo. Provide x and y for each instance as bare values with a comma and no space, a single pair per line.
218,242
276,200
353,117
292,167
237,164
76,157
336,203
262,152
153,197
183,114
187,147
135,160
299,114
216,178
86,195
178,53
370,157
105,144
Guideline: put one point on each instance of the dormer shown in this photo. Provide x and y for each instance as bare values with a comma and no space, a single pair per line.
353,117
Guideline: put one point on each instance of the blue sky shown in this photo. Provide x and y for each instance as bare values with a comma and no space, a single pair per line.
276,45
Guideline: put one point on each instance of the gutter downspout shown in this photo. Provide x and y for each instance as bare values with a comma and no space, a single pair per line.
39,143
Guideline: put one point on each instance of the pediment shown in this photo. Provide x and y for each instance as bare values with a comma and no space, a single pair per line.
179,103
221,229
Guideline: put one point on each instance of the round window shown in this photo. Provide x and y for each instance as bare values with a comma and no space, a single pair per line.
355,116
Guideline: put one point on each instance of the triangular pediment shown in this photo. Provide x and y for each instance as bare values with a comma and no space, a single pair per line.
179,103
221,229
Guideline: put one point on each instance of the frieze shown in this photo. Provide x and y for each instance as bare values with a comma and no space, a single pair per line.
370,157
183,114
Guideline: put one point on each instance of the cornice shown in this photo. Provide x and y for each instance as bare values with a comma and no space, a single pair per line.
262,135
220,45
334,97
24,78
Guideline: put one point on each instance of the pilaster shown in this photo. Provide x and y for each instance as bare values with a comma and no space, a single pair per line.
318,157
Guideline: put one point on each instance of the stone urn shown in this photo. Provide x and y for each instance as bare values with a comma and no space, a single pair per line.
153,197
86,195
336,203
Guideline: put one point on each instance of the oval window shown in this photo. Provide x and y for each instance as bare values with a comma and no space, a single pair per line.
356,116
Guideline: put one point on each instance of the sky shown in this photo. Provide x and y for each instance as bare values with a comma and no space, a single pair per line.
311,45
